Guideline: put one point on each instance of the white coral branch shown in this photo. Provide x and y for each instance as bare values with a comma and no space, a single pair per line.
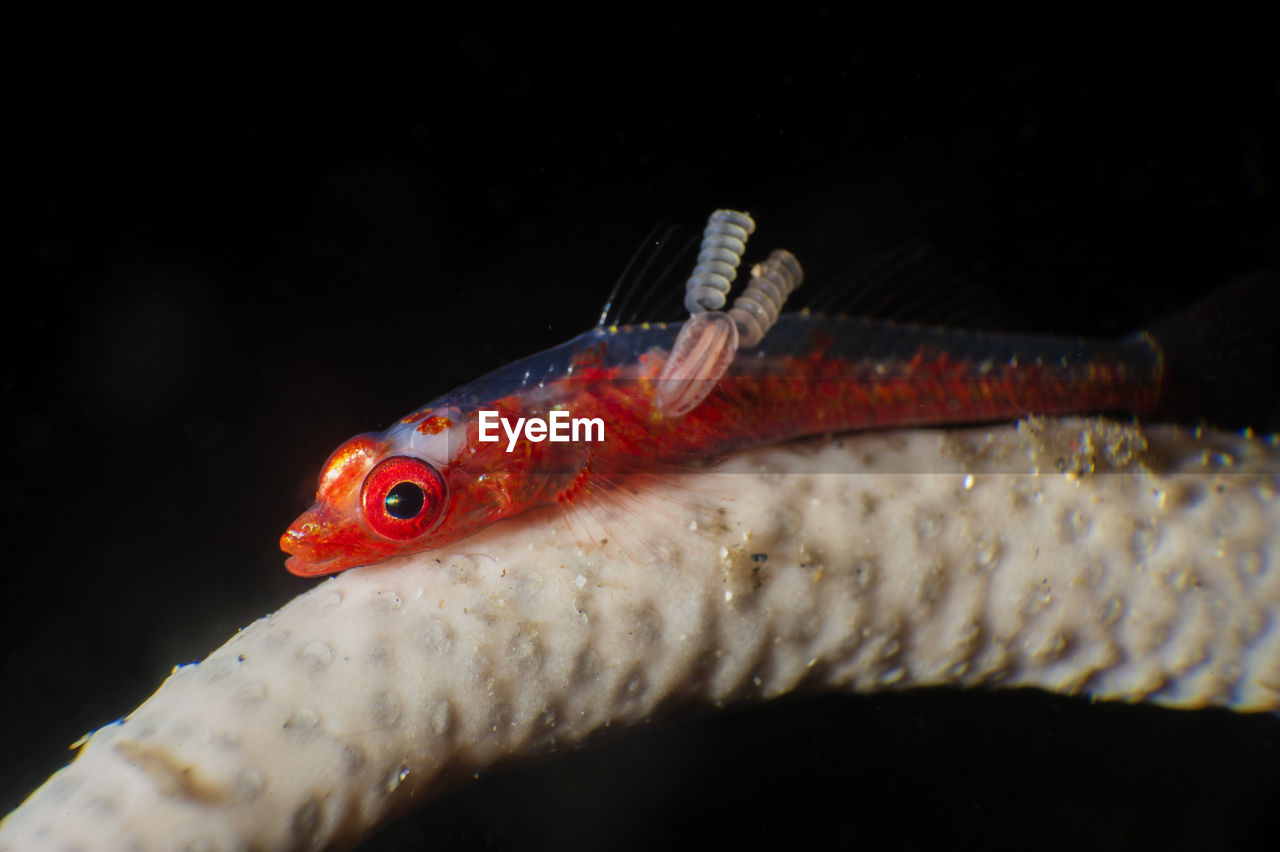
365,696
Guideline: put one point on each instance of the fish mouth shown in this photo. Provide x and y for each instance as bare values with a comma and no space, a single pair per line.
307,541
303,567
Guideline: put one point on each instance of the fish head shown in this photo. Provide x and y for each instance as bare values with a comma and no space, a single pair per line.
419,485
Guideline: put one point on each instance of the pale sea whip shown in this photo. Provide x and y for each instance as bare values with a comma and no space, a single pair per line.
1075,555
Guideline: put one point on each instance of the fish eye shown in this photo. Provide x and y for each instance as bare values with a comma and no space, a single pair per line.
403,498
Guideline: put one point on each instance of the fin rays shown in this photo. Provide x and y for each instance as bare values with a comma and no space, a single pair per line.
630,505
653,280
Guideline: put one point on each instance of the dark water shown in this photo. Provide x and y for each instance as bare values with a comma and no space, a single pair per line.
235,263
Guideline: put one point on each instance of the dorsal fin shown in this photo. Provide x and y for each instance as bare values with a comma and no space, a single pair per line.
910,283
651,287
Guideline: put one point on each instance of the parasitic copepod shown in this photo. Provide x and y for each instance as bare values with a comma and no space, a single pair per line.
447,471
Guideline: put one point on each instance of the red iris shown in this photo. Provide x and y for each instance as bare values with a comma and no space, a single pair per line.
403,498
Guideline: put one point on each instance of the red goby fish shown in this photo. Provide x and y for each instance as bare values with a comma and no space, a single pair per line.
431,480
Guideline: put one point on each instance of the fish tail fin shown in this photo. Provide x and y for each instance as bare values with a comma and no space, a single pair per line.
1220,355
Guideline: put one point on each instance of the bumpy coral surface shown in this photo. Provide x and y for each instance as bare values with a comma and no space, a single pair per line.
1077,556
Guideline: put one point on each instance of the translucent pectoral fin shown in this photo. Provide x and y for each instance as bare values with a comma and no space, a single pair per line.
631,502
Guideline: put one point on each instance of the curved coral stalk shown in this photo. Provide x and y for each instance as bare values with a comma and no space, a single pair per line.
940,564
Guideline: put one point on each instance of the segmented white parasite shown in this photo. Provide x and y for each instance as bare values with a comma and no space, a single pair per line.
710,339
723,242
756,310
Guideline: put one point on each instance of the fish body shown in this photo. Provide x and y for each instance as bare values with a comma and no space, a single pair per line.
437,476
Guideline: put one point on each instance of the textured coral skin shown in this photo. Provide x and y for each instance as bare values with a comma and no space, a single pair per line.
958,558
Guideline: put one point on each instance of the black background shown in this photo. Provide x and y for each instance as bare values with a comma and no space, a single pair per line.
230,264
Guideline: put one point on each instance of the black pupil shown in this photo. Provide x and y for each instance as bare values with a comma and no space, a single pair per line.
405,500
